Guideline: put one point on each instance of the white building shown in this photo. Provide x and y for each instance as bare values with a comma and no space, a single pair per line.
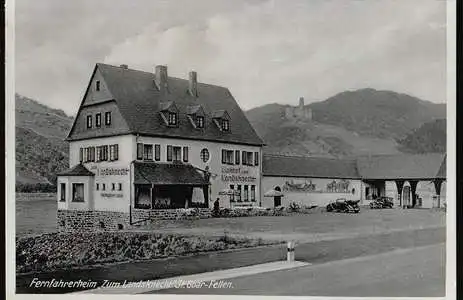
145,144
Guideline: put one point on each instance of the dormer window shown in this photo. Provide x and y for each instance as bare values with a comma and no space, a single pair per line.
225,125
199,121
172,120
222,120
169,113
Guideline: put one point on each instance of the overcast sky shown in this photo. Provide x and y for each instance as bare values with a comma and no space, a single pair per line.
263,51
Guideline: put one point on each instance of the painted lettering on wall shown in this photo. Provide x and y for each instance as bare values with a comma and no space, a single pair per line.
236,174
112,195
113,171
305,186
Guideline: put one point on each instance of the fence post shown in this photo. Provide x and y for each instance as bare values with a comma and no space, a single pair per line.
290,255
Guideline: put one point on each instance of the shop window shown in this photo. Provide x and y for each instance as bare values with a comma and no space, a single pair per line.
143,197
78,192
185,154
89,121
107,118
246,193
157,152
98,120
253,193
62,192
204,154
147,152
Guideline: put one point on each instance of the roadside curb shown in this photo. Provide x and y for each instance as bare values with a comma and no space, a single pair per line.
173,282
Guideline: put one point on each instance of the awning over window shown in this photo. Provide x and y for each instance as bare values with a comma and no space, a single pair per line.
78,170
167,174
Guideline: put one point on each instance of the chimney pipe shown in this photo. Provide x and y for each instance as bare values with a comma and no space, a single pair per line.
193,83
161,77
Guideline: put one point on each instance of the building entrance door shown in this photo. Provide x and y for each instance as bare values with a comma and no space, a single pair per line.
277,199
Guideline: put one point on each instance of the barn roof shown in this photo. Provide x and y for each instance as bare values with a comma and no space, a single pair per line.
315,167
401,166
139,101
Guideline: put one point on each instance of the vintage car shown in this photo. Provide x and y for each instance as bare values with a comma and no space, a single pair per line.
382,202
344,206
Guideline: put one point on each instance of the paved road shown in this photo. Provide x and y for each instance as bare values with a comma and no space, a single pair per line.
411,272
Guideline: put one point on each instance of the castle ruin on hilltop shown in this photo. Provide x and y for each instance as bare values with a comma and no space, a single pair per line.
299,112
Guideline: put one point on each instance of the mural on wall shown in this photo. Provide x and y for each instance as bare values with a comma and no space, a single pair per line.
341,186
305,186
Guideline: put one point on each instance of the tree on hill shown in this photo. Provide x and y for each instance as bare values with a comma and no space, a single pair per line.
430,137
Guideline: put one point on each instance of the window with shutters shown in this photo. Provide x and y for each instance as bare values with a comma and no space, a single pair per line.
253,193
113,186
103,187
139,151
169,153
113,152
104,153
177,153
237,157
249,158
148,152
157,152
227,157
256,158
81,154
120,187
98,153
185,154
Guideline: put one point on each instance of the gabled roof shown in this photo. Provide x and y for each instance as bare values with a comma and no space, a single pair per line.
401,166
168,106
167,174
138,98
315,167
78,170
194,109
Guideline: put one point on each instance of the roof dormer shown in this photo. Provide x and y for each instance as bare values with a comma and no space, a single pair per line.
169,113
221,119
196,116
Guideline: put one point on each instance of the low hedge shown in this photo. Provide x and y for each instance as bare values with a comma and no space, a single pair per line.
252,212
66,251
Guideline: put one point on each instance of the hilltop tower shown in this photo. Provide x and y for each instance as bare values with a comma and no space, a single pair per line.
299,112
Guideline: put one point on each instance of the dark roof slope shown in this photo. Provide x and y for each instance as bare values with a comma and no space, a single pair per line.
139,100
402,166
167,173
316,167
78,170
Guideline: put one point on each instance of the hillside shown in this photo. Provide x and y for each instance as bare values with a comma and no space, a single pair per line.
430,137
348,124
41,151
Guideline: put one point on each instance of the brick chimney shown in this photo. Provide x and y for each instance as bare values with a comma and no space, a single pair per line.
161,77
193,83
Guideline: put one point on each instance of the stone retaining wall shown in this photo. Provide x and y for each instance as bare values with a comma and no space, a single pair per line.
72,220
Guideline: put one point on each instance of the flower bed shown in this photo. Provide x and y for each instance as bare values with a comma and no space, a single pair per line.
58,251
260,211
